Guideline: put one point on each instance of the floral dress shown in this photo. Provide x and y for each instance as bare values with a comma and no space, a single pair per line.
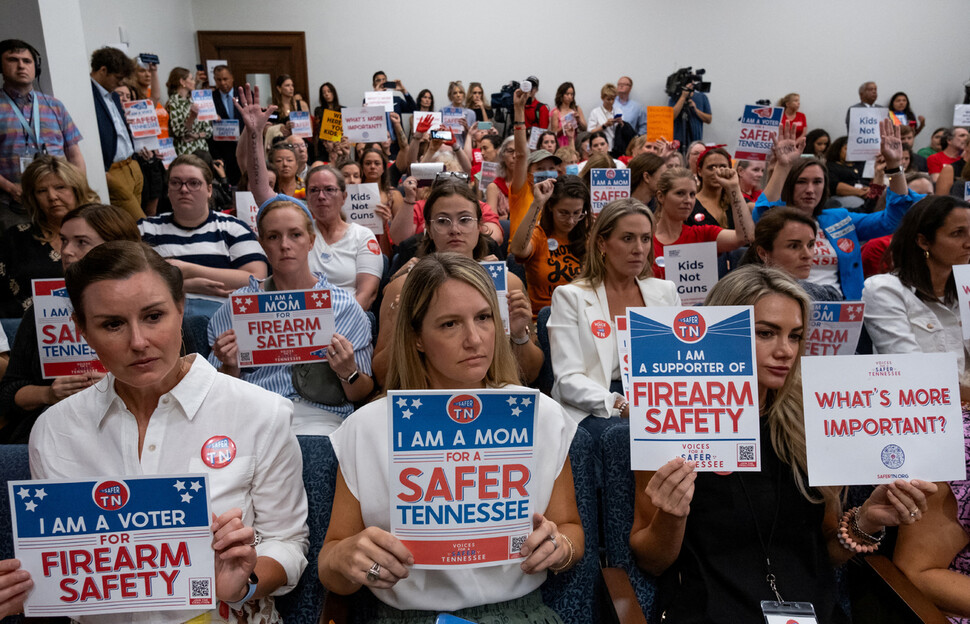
178,111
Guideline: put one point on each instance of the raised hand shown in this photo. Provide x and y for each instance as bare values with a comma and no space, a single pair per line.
890,146
787,149
252,114
424,125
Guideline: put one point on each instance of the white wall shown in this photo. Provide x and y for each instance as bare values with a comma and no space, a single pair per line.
754,49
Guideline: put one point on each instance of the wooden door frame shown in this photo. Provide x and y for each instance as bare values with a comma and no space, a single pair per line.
212,41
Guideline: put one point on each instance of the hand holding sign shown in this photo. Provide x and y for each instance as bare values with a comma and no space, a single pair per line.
890,146
520,313
787,149
64,387
540,549
896,503
235,555
14,585
252,114
353,557
671,488
226,350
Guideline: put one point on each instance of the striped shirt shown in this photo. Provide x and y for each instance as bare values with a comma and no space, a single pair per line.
220,242
57,129
350,321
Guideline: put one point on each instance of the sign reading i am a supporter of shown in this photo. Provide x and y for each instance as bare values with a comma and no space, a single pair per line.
207,108
282,327
225,130
606,185
142,119
693,267
63,351
364,124
461,466
877,418
759,126
694,388
360,206
835,327
114,545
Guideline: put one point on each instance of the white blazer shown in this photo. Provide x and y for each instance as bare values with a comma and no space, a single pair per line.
582,361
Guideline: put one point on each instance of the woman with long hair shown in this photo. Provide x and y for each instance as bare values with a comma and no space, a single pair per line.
329,101
899,105
816,144
566,119
287,99
477,103
187,132
645,172
712,205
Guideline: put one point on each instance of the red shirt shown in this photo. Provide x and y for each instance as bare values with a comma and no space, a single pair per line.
934,163
534,108
689,234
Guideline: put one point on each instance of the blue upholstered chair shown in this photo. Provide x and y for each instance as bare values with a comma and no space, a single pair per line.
545,379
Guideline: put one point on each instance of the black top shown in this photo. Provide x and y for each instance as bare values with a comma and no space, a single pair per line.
23,258
700,216
719,575
842,173
23,370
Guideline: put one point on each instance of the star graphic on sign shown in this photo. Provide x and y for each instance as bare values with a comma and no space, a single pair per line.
526,402
316,296
40,493
416,403
196,486
402,402
30,506
516,411
23,493
186,498
325,295
406,414
180,485
240,307
249,301
511,400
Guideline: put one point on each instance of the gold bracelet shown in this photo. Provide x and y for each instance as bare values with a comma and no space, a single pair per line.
569,560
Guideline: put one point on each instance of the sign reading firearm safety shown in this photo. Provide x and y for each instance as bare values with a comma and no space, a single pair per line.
282,327
694,388
62,349
114,545
461,464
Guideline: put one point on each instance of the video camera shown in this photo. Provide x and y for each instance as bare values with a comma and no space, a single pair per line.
502,101
686,77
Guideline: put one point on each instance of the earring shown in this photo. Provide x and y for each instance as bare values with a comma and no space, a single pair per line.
926,252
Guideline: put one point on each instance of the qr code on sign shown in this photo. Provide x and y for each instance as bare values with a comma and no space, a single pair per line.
747,456
201,591
517,544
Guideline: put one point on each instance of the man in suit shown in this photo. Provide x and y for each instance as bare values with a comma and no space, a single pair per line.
868,92
224,99
109,68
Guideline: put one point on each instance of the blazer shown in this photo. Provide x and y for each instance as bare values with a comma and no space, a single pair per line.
106,127
583,355
221,109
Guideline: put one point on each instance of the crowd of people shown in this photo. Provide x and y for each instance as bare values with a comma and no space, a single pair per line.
414,310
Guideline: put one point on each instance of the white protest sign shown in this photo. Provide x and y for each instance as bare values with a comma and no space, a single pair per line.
246,208
759,125
876,418
694,388
425,173
80,541
869,170
693,267
62,349
210,69
282,327
534,133
359,208
225,130
606,185
864,137
420,116
142,119
961,275
961,115
150,143
498,271
301,124
207,107
461,465
364,124
384,99
834,328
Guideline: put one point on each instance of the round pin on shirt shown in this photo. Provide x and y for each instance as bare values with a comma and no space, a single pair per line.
553,244
218,451
600,329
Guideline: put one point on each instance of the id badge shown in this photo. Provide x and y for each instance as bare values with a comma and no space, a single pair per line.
25,159
788,612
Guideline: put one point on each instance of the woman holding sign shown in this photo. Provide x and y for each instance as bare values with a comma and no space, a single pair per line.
722,543
286,234
24,393
450,336
157,412
187,132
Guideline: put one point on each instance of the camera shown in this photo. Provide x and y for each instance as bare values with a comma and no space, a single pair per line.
502,101
684,78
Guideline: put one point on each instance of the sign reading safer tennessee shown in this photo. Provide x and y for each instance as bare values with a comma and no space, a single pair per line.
114,545
282,327
62,349
693,388
461,466
759,126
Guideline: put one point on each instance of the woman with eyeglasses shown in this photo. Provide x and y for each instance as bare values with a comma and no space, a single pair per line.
216,253
551,242
454,223
347,253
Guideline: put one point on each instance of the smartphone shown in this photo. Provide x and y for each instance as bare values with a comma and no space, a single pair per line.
539,176
484,125
443,135
618,116
447,618
147,58
200,67
391,84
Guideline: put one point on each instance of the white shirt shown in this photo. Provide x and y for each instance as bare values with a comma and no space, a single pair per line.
825,264
599,116
124,148
361,445
92,434
356,252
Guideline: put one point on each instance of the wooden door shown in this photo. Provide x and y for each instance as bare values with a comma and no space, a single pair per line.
259,52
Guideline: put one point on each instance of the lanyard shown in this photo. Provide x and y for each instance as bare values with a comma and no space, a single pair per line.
33,134
769,574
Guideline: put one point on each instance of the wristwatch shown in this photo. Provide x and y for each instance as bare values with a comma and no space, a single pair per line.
521,341
898,169
352,377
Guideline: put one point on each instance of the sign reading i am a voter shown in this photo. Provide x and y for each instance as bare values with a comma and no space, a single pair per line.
114,545
759,126
876,418
62,349
461,466
694,388
282,326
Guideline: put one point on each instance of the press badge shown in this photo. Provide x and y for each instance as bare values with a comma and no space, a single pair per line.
788,612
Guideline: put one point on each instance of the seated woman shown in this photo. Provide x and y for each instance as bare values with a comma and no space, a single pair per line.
676,201
24,393
284,159
553,252
802,183
155,411
712,206
216,253
52,187
705,534
914,309
454,219
845,178
751,174
616,275
286,234
785,238
816,144
645,172
449,336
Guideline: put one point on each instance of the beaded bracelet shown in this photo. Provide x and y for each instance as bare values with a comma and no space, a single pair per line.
569,559
848,526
